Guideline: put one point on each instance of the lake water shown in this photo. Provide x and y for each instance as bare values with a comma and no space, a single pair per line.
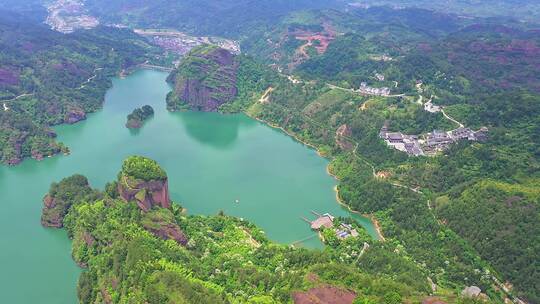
212,160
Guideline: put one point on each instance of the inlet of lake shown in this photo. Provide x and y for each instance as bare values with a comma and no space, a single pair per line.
212,161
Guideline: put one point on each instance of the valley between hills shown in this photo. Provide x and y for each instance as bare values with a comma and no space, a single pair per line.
427,120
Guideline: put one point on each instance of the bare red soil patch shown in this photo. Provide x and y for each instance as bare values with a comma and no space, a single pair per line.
324,295
324,38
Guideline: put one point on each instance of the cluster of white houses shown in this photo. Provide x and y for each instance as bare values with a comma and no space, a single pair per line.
367,90
430,143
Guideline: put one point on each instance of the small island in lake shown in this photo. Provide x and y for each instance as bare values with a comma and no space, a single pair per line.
136,119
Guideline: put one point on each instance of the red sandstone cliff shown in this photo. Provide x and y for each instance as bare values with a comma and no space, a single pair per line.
145,193
205,80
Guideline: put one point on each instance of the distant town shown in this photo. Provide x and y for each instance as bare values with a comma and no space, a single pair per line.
181,43
66,16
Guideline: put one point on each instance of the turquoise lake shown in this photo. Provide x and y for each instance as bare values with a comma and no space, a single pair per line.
212,160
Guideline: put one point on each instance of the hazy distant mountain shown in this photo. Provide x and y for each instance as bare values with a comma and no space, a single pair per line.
227,18
521,9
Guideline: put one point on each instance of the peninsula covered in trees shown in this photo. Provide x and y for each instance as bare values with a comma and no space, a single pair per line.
160,254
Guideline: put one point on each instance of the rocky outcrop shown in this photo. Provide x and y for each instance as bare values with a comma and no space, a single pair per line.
143,181
170,232
433,300
145,193
74,115
471,292
204,81
52,216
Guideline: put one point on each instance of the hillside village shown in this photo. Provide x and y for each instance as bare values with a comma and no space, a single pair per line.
431,143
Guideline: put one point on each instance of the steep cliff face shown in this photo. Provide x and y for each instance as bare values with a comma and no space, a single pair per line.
145,193
205,80
143,181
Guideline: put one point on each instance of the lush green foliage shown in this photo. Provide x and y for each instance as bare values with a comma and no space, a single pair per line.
136,118
500,93
62,195
484,73
229,18
139,167
226,259
48,78
509,233
527,9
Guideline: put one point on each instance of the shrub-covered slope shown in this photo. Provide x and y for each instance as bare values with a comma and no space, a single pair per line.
162,255
47,78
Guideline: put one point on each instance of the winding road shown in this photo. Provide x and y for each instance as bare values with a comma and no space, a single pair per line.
82,86
452,119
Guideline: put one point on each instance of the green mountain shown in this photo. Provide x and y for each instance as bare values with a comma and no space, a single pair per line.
483,76
526,9
462,211
47,78
162,255
204,80
224,18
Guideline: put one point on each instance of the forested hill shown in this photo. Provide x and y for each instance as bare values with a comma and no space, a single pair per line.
522,9
156,253
228,18
48,78
482,74
31,9
332,78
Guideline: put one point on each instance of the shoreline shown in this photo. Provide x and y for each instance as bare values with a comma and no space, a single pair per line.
371,217
288,133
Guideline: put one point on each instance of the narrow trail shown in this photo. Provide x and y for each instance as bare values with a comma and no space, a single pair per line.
366,247
266,96
6,108
452,119
83,85
17,97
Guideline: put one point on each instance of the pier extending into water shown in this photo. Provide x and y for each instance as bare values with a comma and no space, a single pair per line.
322,220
